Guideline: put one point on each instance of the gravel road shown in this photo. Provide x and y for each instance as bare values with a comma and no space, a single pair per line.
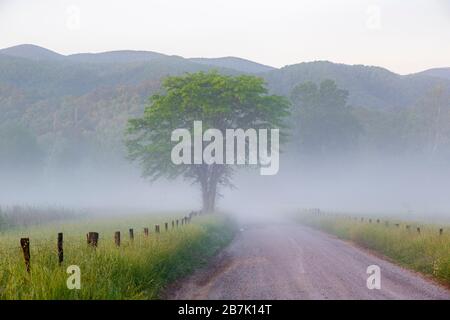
289,261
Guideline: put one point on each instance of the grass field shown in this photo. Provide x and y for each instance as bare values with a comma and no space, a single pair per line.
427,252
137,269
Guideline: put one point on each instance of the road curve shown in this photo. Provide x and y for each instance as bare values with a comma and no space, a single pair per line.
289,261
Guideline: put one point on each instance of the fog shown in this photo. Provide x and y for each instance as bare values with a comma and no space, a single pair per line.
381,185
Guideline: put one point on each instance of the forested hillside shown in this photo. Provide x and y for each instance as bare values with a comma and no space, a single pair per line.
73,109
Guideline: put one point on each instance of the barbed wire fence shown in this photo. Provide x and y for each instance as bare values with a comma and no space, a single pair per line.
439,230
27,247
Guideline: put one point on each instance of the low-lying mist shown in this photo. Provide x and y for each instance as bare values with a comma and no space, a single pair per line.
382,185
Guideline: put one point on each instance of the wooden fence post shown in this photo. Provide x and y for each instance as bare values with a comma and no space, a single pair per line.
441,231
146,232
157,228
93,239
25,244
131,234
177,223
418,230
173,224
117,238
166,226
60,248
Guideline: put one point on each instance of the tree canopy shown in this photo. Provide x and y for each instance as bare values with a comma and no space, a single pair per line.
220,102
322,121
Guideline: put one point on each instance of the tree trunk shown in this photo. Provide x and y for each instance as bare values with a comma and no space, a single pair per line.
208,180
209,199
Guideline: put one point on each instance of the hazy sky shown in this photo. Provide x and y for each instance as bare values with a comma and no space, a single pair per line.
402,35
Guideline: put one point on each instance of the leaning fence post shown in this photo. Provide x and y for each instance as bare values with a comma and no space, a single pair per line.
117,238
60,248
131,234
25,244
93,239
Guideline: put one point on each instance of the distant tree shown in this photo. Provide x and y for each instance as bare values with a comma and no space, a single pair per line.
219,101
433,116
322,122
19,150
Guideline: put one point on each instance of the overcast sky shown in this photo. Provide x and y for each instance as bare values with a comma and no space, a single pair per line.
402,35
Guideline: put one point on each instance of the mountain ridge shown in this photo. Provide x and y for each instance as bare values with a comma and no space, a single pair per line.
38,53
76,105
443,73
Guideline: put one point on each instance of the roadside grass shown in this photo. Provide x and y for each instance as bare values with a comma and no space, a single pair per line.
137,269
427,252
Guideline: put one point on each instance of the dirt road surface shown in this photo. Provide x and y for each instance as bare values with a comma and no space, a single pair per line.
289,261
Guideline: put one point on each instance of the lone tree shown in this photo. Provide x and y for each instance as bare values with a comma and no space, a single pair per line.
220,102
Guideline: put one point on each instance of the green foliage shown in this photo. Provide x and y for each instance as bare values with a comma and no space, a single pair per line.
369,86
219,101
323,123
422,130
78,108
19,149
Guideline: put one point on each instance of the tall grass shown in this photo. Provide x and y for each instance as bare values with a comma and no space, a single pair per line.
427,252
138,269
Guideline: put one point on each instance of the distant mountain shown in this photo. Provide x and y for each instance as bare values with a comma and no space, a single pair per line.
443,73
37,53
125,56
369,86
84,100
32,52
239,64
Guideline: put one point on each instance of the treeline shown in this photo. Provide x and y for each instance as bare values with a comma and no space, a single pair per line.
323,123
24,216
77,130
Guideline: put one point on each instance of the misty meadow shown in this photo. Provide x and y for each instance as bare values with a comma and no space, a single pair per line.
196,172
